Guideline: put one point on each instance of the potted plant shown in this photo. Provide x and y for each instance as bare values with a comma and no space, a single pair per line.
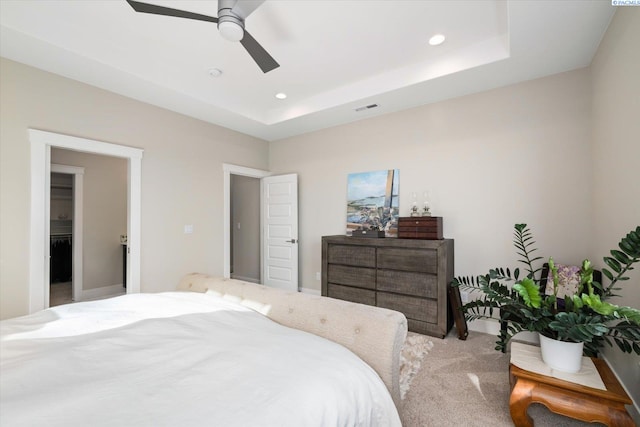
584,317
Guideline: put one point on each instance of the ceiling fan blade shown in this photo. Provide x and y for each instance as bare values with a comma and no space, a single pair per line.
244,8
257,52
167,11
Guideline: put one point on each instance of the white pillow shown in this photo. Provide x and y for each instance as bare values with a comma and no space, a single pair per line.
253,305
257,306
232,298
214,293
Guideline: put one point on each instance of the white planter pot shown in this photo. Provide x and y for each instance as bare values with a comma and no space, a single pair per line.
561,355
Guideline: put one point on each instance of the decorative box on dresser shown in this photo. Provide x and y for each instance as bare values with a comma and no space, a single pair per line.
410,276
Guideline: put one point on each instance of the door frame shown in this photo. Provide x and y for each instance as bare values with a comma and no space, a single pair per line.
77,238
41,143
228,170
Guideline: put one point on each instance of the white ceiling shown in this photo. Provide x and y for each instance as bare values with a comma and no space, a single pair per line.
334,56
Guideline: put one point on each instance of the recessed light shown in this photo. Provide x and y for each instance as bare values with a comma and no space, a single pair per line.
215,72
281,95
436,40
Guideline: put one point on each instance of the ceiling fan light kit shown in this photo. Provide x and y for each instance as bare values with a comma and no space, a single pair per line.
230,25
230,21
230,31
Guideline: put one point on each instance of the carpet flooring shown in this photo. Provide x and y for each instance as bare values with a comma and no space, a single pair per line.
466,383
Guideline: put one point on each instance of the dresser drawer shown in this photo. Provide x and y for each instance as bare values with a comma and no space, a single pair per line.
422,309
352,276
418,260
360,256
362,296
409,283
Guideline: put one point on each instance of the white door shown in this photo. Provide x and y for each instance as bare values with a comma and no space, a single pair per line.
280,231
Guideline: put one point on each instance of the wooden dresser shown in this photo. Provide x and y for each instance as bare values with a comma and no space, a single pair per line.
410,276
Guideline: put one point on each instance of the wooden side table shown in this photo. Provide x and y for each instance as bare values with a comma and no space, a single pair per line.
569,399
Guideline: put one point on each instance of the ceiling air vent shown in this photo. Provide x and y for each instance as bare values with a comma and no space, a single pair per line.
366,107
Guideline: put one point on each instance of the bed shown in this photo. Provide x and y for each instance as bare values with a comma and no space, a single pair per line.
227,353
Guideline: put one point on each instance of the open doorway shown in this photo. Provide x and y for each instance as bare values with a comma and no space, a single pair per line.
245,228
61,240
95,231
235,171
65,234
41,145
278,237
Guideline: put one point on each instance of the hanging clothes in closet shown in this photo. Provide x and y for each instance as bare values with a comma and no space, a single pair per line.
61,259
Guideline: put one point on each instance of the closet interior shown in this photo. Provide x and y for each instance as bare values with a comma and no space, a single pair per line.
61,239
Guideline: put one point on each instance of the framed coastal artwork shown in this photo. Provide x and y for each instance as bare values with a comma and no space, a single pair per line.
372,201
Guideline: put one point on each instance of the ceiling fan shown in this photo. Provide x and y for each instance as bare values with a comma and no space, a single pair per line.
230,20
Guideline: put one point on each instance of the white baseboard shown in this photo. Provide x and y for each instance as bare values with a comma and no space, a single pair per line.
492,327
310,291
102,292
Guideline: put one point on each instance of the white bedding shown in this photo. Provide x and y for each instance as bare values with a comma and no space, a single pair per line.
179,359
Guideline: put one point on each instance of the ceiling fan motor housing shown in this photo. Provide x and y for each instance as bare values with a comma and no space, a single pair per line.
230,25
230,20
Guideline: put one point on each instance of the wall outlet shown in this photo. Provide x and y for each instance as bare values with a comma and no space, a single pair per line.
188,229
317,275
464,297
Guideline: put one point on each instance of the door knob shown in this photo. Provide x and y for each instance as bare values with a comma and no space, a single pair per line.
291,241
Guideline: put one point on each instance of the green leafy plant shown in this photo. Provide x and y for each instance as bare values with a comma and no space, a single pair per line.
586,317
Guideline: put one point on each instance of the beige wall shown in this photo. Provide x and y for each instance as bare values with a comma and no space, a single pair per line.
616,160
490,160
245,211
104,214
181,174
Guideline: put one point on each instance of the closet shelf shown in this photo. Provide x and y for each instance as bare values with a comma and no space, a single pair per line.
61,193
